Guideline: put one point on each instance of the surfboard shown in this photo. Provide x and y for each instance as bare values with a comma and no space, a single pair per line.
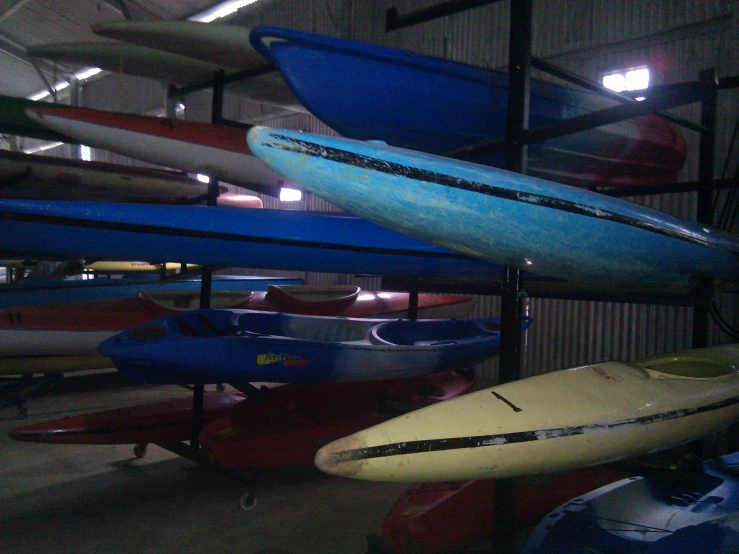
214,150
152,63
508,218
221,236
556,421
438,106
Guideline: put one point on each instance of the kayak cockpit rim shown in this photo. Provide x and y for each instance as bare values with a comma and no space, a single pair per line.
307,294
687,366
185,300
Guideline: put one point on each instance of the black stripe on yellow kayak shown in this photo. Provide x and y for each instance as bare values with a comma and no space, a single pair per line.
436,445
346,157
217,235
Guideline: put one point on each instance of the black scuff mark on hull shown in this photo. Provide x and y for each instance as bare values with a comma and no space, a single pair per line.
383,166
435,445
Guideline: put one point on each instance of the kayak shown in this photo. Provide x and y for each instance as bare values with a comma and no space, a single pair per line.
77,328
450,517
504,217
37,292
290,423
288,240
162,421
235,346
643,514
218,151
438,106
556,421
43,177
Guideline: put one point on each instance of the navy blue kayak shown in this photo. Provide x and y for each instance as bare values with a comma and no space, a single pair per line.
35,292
221,236
236,346
646,515
371,92
508,218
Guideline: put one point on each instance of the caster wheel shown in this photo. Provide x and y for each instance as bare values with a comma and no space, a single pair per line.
139,450
248,501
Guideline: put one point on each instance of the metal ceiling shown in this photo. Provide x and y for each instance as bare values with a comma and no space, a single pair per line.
25,23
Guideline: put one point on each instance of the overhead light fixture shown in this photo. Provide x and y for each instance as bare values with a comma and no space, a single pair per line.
221,10
87,73
43,147
81,75
61,85
636,78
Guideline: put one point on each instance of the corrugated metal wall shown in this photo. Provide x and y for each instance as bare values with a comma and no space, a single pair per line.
676,38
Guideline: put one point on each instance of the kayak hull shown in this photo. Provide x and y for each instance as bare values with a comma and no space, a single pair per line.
552,422
505,217
233,346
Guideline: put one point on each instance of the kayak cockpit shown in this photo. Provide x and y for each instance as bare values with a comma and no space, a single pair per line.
405,333
185,300
303,295
687,366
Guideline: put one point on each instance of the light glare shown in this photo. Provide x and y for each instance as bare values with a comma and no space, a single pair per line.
222,10
290,195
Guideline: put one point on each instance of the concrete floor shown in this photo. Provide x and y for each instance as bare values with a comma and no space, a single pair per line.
78,499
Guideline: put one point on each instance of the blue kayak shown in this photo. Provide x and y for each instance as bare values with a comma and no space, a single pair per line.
221,236
503,217
35,292
645,515
371,92
236,346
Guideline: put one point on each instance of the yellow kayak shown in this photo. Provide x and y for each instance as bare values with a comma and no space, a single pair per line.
557,421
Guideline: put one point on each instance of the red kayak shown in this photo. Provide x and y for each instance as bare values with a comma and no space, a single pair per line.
78,327
449,517
166,421
292,422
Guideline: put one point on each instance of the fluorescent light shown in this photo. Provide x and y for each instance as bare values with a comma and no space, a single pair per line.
87,73
47,146
203,178
61,85
86,153
221,10
290,195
